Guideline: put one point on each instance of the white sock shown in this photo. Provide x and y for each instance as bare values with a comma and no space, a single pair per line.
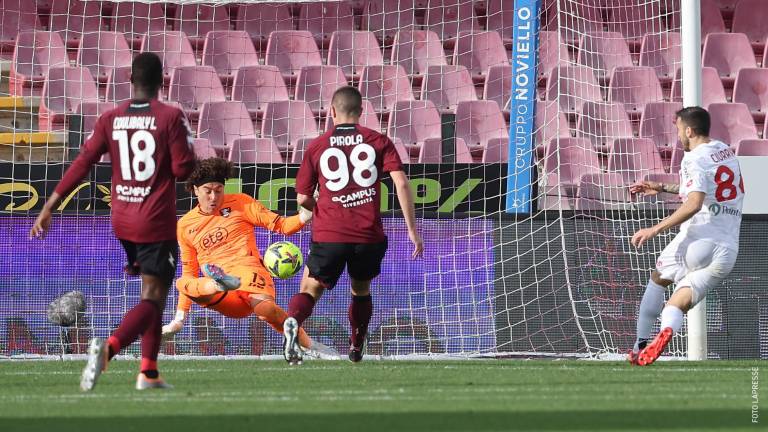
650,308
672,317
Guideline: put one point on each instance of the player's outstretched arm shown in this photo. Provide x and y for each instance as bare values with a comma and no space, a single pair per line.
405,197
690,207
43,221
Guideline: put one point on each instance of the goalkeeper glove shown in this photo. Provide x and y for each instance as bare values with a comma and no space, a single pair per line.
174,326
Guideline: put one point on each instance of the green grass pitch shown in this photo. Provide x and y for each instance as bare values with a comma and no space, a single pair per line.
484,395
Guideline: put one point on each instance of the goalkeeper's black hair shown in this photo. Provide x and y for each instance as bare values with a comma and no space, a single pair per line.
348,101
696,118
210,170
147,72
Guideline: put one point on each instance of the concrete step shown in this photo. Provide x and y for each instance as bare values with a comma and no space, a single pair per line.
33,146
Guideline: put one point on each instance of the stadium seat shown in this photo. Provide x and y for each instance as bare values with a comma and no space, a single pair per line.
677,158
477,122
496,151
134,19
551,54
367,119
416,50
90,112
634,87
449,18
602,122
196,20
569,159
101,52
322,19
731,123
549,123
712,90
72,18
384,86
203,149
192,86
255,151
633,158
353,51
498,86
603,51
750,18
711,19
479,51
119,87
501,15
446,86
634,19
578,18
602,192
256,86
751,89
261,19
292,50
430,152
222,123
413,122
35,52
663,53
173,48
658,123
17,15
462,153
752,147
728,53
670,201
316,84
64,89
286,122
385,18
571,86
228,51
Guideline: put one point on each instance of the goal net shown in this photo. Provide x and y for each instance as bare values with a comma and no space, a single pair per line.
551,274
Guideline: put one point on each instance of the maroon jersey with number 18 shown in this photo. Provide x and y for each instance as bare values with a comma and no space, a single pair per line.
347,164
150,146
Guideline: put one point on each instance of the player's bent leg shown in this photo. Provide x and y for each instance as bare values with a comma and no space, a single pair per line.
648,312
155,290
359,314
299,309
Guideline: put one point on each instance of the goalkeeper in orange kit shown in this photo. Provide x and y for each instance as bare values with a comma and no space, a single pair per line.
217,236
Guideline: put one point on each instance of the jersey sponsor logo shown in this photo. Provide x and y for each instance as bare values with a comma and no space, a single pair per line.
356,198
226,211
135,194
213,238
346,140
134,122
716,209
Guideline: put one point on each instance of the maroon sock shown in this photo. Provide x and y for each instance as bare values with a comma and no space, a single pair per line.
134,323
360,311
300,307
150,343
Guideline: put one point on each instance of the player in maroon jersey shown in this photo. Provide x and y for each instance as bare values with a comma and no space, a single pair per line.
150,146
347,164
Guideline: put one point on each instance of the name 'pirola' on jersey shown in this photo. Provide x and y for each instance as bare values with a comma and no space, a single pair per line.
713,168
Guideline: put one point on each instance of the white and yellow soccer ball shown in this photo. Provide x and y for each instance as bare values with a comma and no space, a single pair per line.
283,259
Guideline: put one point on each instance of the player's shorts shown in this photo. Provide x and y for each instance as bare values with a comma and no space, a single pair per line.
154,259
254,280
326,261
698,264
233,304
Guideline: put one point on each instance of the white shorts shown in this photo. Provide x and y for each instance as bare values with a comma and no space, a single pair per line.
698,264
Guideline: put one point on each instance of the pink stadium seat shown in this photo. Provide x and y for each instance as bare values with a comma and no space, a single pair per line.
712,90
501,15
602,192
413,122
286,122
477,122
603,51
498,86
134,19
255,151
385,18
550,123
479,51
90,112
173,48
256,86
633,158
367,119
203,149
551,54
222,123
497,151
662,52
192,86
119,88
430,152
677,158
602,122
17,15
635,19
297,153
569,159
316,84
449,18
402,151
634,87
101,52
572,86
72,18
728,53
196,20
578,18
416,50
658,123
292,50
64,89
35,52
323,18
446,86
353,51
384,86
752,147
671,201
711,19
750,18
261,19
731,123
228,51
463,154
751,89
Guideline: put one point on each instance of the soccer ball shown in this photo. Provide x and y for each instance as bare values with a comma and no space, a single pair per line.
283,259
67,309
